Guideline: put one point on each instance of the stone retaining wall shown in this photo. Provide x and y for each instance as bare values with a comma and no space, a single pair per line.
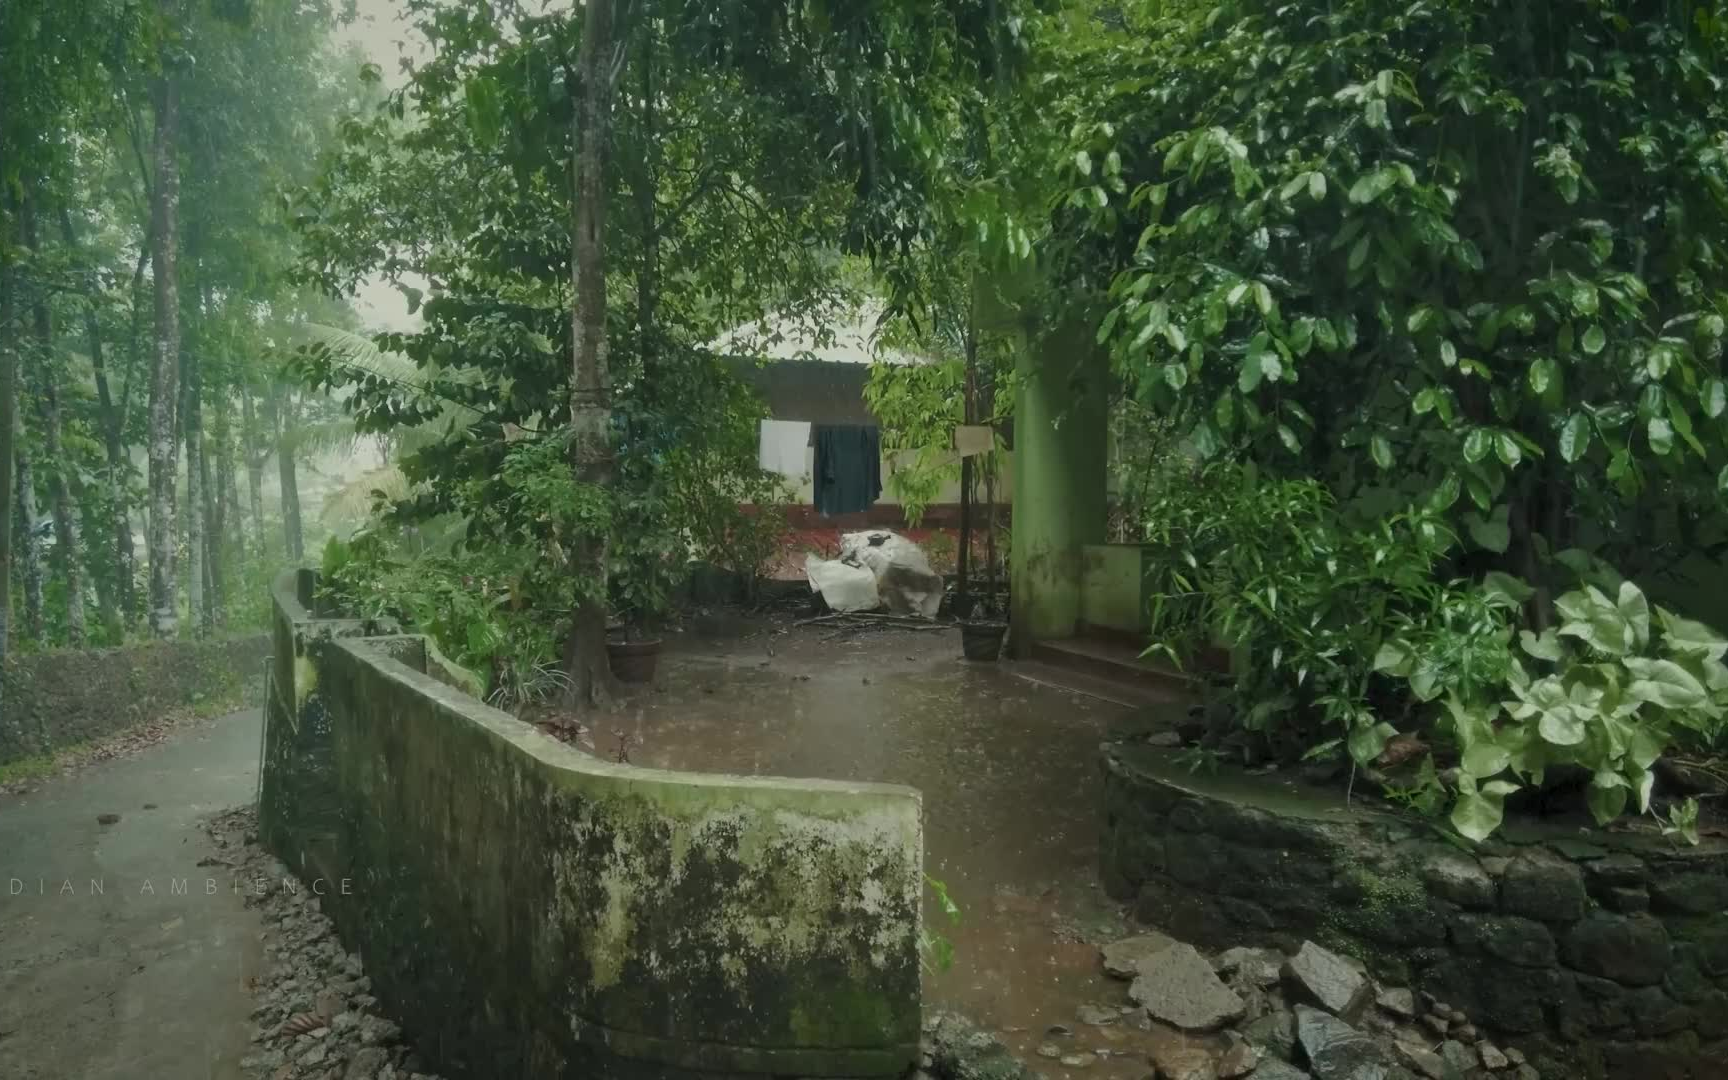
64,697
528,910
1597,954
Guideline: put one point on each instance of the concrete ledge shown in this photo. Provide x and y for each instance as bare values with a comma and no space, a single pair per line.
529,910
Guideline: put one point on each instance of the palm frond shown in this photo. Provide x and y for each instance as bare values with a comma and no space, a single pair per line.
353,501
360,353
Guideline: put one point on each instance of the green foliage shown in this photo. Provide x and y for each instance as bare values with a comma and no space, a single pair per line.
935,950
1611,689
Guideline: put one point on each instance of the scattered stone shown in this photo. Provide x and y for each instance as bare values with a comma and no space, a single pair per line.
959,1048
1491,1056
1422,1060
311,1004
1278,1070
1398,1001
1239,1060
1167,739
1458,1057
1179,987
1049,1050
1122,959
1465,1032
1514,1055
1097,1015
1543,887
1256,967
367,1063
1438,1024
1337,1051
1691,894
1328,980
1178,1059
107,819
1274,1033
1077,1061
1059,1031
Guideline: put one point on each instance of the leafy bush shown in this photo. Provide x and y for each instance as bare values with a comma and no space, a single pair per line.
1611,692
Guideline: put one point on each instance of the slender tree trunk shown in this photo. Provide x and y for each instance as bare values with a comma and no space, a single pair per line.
29,539
66,547
8,424
116,596
585,661
293,538
192,430
254,450
222,507
165,360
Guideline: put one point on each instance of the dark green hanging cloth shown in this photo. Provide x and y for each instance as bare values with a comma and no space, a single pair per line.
848,469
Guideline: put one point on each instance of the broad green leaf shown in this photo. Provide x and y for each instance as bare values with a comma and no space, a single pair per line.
1664,683
1359,253
1448,353
1607,802
1594,340
1477,813
1484,759
1176,375
1425,401
1690,638
1477,445
1381,450
1714,397
1368,741
1574,437
1508,449
1501,586
1545,646
1561,727
1249,375
1661,434
1317,185
1542,372
1083,162
1635,610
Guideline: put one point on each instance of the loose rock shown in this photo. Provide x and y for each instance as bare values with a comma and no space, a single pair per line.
1122,959
1399,1002
1337,1051
1179,987
1327,979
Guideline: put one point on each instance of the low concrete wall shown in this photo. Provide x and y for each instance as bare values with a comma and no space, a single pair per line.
531,911
1601,955
68,696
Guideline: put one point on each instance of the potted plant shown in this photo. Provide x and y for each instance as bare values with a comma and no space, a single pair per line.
645,572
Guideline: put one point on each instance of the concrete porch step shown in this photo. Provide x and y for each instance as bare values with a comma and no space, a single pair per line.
1115,661
1131,695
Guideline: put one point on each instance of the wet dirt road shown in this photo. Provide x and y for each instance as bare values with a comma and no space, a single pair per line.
1010,776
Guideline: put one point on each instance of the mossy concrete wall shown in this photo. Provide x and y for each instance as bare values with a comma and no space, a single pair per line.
1601,955
530,911
68,696
1060,478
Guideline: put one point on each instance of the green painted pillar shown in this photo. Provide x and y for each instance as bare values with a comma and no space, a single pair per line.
1060,463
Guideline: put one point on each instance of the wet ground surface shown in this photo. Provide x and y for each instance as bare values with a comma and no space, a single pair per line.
124,952
1010,777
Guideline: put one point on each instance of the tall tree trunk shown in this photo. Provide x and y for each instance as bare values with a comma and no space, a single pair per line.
29,538
222,506
165,360
294,539
192,430
116,596
255,456
59,489
8,424
585,662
